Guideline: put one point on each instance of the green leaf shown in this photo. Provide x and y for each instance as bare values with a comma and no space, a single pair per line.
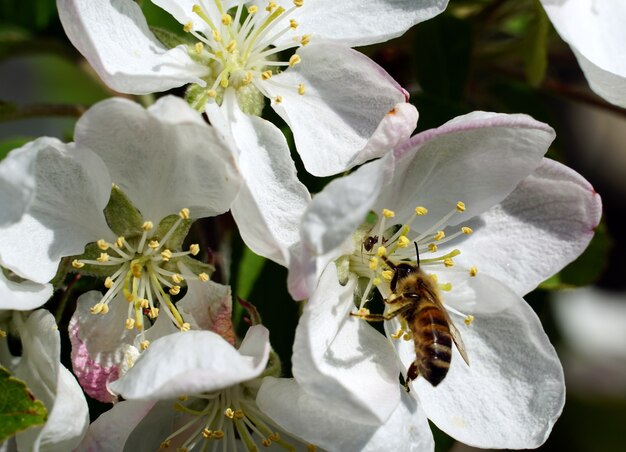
19,409
536,47
250,267
30,14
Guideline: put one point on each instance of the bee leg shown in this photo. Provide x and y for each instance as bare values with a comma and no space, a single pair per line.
369,317
411,374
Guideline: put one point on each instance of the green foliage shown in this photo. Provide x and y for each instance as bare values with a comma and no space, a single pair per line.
33,14
536,46
8,145
122,217
19,409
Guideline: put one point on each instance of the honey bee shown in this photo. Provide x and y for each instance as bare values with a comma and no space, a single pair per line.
416,299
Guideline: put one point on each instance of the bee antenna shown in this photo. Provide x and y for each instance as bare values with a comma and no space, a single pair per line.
417,253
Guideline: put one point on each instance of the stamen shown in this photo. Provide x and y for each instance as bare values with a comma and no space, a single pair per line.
473,271
468,319
294,59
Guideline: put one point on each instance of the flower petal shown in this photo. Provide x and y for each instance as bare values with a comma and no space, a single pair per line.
302,415
162,165
342,361
22,296
191,362
272,199
596,34
513,390
72,189
17,183
548,220
477,158
40,367
354,23
116,40
346,97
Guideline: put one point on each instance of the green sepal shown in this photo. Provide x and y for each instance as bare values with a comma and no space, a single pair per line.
122,216
274,367
196,96
194,265
250,99
170,39
175,242
92,252
19,409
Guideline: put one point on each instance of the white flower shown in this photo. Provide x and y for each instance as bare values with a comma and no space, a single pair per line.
237,46
166,166
595,32
40,367
478,185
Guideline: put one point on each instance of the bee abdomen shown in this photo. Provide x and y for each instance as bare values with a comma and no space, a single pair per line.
433,343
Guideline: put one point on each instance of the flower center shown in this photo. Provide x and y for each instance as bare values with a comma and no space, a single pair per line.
225,416
382,243
142,268
239,46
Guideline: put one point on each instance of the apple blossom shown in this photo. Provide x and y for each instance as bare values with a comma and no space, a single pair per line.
166,166
40,367
237,46
491,218
596,35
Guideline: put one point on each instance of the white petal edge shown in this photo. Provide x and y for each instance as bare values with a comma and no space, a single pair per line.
17,183
22,296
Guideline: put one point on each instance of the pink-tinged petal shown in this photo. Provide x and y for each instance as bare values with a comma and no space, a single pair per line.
548,221
354,23
478,158
304,416
191,362
162,165
110,431
346,96
22,296
72,189
512,392
595,31
341,360
114,37
98,344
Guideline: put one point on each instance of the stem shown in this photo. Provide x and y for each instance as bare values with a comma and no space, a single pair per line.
63,301
11,112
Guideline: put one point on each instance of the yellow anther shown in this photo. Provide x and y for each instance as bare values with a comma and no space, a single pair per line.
460,206
104,257
185,327
188,27
77,264
216,36
105,309
447,287
301,89
376,282
224,82
266,442
407,336
448,262
154,313
253,9
154,244
293,23
102,244
194,249
473,271
96,308
239,414
294,59
274,436
218,434
227,19
166,255
229,413
266,75
248,78
144,345
387,274
398,334
3,333
207,433
130,323
363,311
232,46
203,277
403,241
388,213
108,282
432,248
439,235
381,251
166,444
298,3
120,241
271,6
468,319
373,263
176,278
211,93
467,230
198,47
144,303
305,39
174,290
136,269
419,210
278,99
147,226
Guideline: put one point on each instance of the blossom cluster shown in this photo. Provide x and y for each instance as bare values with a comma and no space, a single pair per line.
438,235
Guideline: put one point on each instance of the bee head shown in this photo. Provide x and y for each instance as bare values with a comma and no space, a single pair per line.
402,271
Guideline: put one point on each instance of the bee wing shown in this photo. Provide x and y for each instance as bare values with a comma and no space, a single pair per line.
454,332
